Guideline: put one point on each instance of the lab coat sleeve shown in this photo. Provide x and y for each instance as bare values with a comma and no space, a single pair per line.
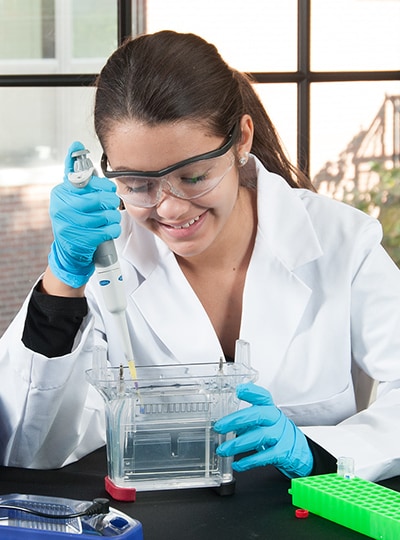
371,436
50,415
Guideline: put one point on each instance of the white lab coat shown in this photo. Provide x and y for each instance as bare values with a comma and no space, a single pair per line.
320,292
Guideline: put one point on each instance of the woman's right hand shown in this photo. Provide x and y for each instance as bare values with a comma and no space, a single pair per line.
82,219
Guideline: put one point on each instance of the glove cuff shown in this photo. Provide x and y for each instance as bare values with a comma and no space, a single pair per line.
72,280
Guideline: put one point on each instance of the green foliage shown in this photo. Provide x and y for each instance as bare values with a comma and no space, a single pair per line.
382,201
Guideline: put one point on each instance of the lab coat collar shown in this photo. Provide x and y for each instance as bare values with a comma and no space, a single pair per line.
283,220
275,296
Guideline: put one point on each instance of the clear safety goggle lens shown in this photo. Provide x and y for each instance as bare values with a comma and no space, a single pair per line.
187,182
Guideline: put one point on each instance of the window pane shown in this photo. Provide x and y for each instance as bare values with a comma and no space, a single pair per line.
280,102
258,36
94,28
352,125
355,35
56,36
38,125
26,29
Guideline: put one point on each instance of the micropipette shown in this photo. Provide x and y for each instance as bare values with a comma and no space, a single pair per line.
106,263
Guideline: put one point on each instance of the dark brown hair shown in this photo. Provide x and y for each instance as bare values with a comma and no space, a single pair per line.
169,76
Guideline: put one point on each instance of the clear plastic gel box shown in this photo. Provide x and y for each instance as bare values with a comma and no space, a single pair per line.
160,426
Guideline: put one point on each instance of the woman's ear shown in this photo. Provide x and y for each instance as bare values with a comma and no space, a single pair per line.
246,139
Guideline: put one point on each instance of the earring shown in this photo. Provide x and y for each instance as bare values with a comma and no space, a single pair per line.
243,159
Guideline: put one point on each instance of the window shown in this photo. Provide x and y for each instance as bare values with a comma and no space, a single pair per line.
327,71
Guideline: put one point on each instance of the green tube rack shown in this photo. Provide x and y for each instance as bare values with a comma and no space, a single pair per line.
355,503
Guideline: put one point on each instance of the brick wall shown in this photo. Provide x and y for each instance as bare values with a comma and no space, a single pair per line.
25,240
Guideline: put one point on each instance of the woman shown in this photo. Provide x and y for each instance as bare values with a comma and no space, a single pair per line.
222,239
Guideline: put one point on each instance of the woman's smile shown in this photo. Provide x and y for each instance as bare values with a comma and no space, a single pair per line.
185,226
182,230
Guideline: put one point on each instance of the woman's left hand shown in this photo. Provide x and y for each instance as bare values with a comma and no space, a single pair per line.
266,430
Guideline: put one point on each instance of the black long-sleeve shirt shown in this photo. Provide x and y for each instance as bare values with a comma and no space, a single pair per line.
52,323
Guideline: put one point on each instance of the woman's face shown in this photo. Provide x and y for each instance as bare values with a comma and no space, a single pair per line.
188,227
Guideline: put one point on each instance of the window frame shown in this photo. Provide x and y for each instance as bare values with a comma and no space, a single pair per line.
303,77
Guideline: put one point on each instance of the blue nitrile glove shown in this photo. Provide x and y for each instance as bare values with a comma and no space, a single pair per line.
264,429
82,218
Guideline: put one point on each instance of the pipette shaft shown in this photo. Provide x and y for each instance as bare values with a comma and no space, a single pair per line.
107,265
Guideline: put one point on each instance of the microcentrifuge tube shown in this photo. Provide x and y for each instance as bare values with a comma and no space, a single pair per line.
345,467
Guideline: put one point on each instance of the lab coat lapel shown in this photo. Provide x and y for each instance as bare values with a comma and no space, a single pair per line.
274,302
275,298
175,314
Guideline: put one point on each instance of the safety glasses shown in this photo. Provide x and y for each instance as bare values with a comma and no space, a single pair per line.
187,179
